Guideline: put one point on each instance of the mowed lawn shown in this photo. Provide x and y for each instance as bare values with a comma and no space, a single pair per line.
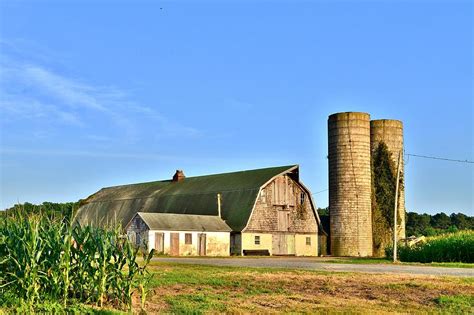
178,288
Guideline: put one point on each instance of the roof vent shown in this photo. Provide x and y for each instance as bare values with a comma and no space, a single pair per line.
178,176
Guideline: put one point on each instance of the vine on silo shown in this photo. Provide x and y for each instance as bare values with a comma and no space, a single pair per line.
384,178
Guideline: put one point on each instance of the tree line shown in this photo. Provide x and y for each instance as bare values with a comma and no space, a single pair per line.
422,224
430,225
49,209
416,224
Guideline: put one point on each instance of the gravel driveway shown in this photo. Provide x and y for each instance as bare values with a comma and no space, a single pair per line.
320,264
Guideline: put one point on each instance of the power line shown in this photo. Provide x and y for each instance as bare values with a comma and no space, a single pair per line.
318,192
420,156
439,158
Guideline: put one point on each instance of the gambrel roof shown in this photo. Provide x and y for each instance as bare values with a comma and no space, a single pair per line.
193,195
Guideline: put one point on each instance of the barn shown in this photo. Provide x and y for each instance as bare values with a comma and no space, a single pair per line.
268,211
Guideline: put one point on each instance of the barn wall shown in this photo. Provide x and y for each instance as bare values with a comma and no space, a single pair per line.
282,195
302,249
281,214
217,243
248,241
138,231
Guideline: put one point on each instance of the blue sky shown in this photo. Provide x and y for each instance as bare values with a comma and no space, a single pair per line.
95,94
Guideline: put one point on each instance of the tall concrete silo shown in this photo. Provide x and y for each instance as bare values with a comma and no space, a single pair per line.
350,184
391,132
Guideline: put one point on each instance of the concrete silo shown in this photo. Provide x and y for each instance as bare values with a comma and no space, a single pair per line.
350,184
391,132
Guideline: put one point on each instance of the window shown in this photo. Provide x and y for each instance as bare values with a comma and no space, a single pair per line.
257,239
308,240
138,239
188,238
302,198
262,196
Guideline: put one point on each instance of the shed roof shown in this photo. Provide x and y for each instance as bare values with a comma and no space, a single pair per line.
183,222
193,195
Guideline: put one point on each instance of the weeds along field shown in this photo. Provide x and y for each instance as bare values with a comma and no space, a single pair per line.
454,247
48,262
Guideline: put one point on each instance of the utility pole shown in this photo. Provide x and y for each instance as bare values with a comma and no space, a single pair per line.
219,205
395,212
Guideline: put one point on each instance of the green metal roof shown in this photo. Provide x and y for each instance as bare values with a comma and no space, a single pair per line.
193,195
183,222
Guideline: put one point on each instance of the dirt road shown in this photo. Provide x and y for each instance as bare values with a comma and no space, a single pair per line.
320,264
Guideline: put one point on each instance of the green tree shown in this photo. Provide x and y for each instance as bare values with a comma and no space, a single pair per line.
324,217
52,210
462,221
441,221
417,224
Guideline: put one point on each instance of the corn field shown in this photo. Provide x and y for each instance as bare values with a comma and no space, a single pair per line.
455,247
44,259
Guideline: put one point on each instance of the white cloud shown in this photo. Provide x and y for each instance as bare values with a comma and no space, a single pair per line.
91,154
14,107
31,91
69,92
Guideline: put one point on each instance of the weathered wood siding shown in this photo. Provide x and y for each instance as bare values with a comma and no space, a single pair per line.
283,220
137,232
279,209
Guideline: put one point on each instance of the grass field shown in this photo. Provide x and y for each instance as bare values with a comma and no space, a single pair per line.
204,289
43,271
182,289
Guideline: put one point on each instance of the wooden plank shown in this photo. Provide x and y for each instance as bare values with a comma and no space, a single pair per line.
159,242
279,244
283,220
202,244
174,244
275,245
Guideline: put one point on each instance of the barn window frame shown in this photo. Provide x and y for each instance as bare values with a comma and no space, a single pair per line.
308,240
188,238
257,240
302,198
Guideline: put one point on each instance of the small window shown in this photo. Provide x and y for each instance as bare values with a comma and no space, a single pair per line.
302,198
308,240
188,238
257,239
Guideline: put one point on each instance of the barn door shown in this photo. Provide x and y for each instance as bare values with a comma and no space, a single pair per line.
174,244
283,244
202,244
290,244
279,244
159,242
